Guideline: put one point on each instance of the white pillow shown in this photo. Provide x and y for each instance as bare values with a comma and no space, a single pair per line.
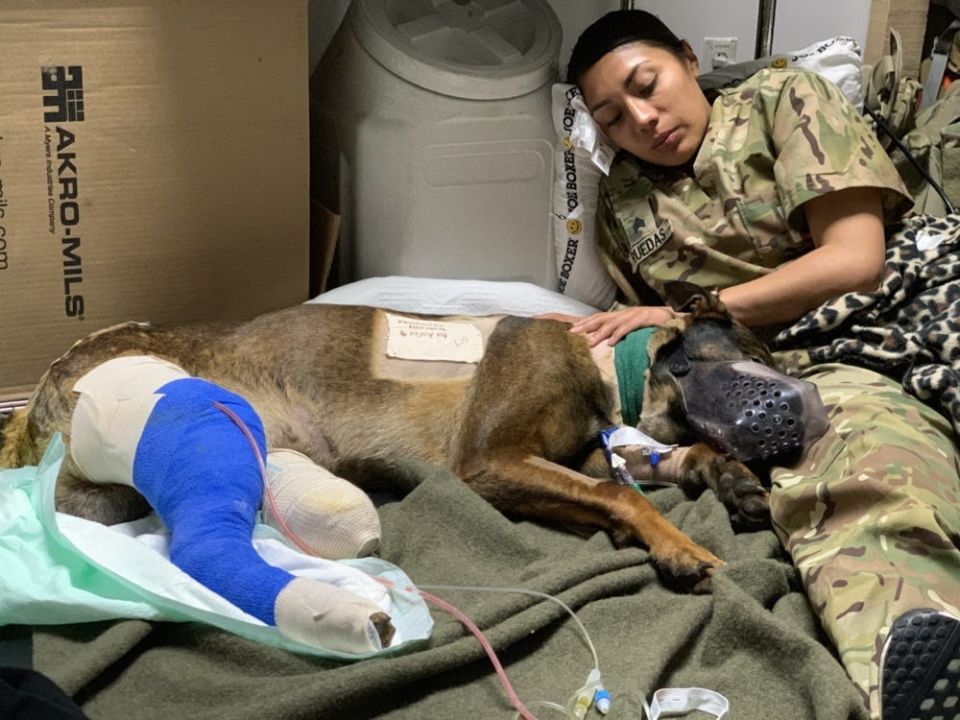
434,296
839,60
580,272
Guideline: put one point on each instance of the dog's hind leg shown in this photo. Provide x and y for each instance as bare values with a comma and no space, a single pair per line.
16,444
27,433
532,487
108,503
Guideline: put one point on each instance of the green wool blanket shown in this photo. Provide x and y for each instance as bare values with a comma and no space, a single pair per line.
754,639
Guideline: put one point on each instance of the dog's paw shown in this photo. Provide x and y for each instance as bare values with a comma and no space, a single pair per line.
741,492
744,496
685,566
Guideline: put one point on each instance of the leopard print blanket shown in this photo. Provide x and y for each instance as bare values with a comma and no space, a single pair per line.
910,327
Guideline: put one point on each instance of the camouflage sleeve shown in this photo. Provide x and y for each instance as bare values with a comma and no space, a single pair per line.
609,245
822,144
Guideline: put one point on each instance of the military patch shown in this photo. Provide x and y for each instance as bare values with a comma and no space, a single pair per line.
644,245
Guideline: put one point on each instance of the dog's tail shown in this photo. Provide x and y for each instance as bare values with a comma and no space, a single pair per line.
17,447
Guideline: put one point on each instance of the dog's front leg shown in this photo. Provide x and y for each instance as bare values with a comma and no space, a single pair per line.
700,466
529,486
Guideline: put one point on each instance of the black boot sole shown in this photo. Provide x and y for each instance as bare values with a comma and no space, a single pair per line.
921,667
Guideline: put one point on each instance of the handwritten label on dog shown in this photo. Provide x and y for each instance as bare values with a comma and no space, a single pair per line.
417,339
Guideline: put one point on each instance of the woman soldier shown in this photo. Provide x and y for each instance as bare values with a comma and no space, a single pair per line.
777,193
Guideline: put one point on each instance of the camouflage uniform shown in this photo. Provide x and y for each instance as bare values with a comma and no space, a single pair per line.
870,513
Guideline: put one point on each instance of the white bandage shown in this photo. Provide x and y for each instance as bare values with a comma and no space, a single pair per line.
116,399
319,614
332,518
680,701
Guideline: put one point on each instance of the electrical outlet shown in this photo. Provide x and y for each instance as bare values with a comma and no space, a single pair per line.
719,51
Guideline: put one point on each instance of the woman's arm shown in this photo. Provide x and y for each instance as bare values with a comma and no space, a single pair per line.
848,236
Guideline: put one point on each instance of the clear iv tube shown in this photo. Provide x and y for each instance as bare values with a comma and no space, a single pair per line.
524,591
580,701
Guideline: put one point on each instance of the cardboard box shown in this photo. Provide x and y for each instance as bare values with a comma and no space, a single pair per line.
153,166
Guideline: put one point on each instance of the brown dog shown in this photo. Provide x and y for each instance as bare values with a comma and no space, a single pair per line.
519,426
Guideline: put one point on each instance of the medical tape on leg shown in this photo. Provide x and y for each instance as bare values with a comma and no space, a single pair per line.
681,701
116,399
329,517
317,613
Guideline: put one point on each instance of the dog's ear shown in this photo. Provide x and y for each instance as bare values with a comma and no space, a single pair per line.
687,297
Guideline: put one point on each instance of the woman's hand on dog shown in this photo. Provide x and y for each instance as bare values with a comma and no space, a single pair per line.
613,325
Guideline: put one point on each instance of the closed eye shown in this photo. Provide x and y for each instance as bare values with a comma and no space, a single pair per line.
605,120
646,91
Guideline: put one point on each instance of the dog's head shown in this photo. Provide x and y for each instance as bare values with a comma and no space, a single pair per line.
708,331
699,388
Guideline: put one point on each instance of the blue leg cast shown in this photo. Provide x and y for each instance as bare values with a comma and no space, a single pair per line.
199,472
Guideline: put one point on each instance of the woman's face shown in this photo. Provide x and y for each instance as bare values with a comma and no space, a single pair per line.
648,102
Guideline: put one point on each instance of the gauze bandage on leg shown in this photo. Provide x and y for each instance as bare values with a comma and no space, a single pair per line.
116,398
320,614
197,469
329,517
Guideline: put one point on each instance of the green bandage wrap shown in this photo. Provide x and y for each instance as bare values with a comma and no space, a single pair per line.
631,361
